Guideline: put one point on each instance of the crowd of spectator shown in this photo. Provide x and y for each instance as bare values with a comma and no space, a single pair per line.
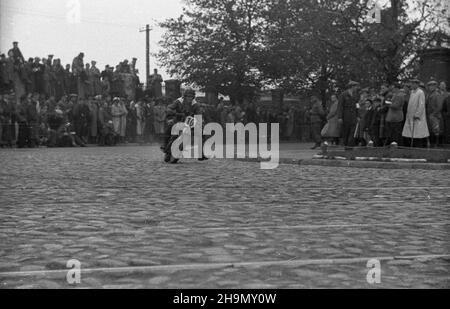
43,103
409,114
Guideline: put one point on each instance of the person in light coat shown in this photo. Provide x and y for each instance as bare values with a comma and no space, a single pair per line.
116,113
332,131
416,127
140,119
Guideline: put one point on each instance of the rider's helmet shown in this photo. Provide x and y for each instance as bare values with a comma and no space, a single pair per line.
189,93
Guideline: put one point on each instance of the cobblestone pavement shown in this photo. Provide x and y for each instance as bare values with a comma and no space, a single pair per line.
138,223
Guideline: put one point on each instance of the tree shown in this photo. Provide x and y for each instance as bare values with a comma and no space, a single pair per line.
216,43
237,46
406,28
324,44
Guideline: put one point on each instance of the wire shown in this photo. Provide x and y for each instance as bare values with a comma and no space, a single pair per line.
57,17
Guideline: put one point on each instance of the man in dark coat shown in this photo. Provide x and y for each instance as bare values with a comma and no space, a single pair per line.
156,80
78,71
70,83
17,54
250,112
348,113
149,116
27,76
316,115
446,112
395,117
81,114
434,105
4,119
59,75
9,120
55,123
375,121
24,132
38,75
107,79
5,82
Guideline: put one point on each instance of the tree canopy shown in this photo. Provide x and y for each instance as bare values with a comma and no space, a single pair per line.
237,46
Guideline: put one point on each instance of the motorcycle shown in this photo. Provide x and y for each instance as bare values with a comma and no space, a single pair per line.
189,125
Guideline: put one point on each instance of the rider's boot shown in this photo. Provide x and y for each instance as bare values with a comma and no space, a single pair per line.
167,157
166,139
203,158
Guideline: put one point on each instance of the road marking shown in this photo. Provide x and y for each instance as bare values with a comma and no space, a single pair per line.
397,188
298,227
206,266
237,187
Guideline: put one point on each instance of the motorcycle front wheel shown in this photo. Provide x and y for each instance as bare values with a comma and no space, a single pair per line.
169,158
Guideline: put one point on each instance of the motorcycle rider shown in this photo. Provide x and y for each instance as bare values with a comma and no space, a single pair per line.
177,112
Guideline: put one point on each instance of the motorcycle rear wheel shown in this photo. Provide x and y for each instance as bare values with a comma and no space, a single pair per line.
173,160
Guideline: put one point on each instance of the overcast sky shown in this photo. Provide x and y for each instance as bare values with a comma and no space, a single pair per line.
108,31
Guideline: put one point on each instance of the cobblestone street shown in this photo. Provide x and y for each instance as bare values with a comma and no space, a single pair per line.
134,222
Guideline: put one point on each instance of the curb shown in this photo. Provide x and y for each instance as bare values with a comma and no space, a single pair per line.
342,162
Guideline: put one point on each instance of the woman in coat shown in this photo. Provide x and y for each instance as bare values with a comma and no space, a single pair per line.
333,130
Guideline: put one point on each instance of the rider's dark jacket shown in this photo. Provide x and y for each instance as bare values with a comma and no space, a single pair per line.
179,110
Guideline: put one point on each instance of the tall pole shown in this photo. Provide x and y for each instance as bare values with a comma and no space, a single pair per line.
147,30
147,56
